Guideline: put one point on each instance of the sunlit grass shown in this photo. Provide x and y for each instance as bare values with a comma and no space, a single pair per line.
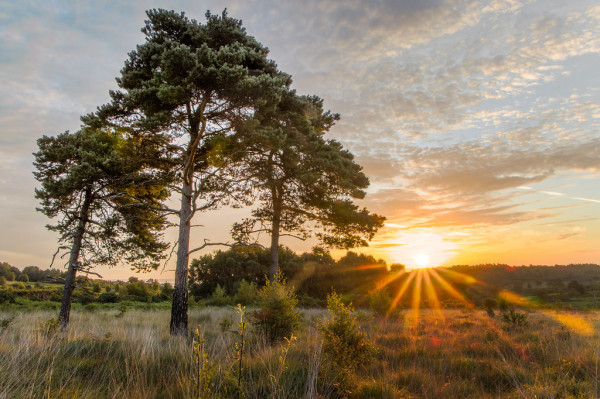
464,354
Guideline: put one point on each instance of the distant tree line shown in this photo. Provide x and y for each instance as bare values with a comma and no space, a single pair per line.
28,285
29,273
312,274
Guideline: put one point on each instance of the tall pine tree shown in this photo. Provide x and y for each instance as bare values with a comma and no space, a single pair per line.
189,85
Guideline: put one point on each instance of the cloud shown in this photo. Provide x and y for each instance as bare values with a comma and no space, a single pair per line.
448,105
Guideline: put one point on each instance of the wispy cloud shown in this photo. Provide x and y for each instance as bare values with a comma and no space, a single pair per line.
452,107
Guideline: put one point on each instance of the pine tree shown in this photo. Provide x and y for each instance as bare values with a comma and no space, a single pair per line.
303,179
188,86
104,199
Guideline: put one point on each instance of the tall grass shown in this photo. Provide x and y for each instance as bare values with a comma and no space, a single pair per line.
455,354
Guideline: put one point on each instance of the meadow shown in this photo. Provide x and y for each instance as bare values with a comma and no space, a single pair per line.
446,353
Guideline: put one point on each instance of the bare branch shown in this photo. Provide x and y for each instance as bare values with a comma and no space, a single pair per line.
225,244
170,255
292,235
56,253
89,272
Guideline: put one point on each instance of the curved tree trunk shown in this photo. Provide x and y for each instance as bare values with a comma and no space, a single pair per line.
179,307
67,299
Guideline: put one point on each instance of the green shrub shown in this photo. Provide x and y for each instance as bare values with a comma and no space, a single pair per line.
108,297
23,278
84,298
166,292
20,286
7,297
91,307
3,282
123,308
277,316
380,302
246,293
219,297
344,342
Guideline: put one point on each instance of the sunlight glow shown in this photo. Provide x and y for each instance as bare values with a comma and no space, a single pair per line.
422,260
422,248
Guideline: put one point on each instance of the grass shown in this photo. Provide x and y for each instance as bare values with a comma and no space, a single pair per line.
452,354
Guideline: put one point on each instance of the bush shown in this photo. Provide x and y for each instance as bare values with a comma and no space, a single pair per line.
23,278
380,302
84,297
7,297
344,342
278,316
219,297
166,292
108,297
3,282
246,293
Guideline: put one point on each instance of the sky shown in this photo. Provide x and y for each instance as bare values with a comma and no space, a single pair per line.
477,122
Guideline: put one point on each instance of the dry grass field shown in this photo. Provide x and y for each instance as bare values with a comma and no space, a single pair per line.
434,354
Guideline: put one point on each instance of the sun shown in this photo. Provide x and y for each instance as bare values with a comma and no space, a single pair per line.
422,260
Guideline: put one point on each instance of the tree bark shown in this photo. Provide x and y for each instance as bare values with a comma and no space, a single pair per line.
179,307
67,299
274,264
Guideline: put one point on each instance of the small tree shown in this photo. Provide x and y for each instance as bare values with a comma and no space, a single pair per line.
344,342
95,184
277,316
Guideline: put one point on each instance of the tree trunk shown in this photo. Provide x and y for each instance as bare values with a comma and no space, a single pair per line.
274,264
179,307
67,299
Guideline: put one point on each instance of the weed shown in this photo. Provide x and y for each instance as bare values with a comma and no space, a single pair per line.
241,345
123,308
514,318
225,324
5,322
48,328
276,390
205,372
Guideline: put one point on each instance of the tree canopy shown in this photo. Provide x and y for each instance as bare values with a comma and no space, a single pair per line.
95,185
301,178
188,86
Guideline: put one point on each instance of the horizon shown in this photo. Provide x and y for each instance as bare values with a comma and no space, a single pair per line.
482,119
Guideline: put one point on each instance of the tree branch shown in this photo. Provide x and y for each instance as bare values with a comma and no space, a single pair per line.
225,244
